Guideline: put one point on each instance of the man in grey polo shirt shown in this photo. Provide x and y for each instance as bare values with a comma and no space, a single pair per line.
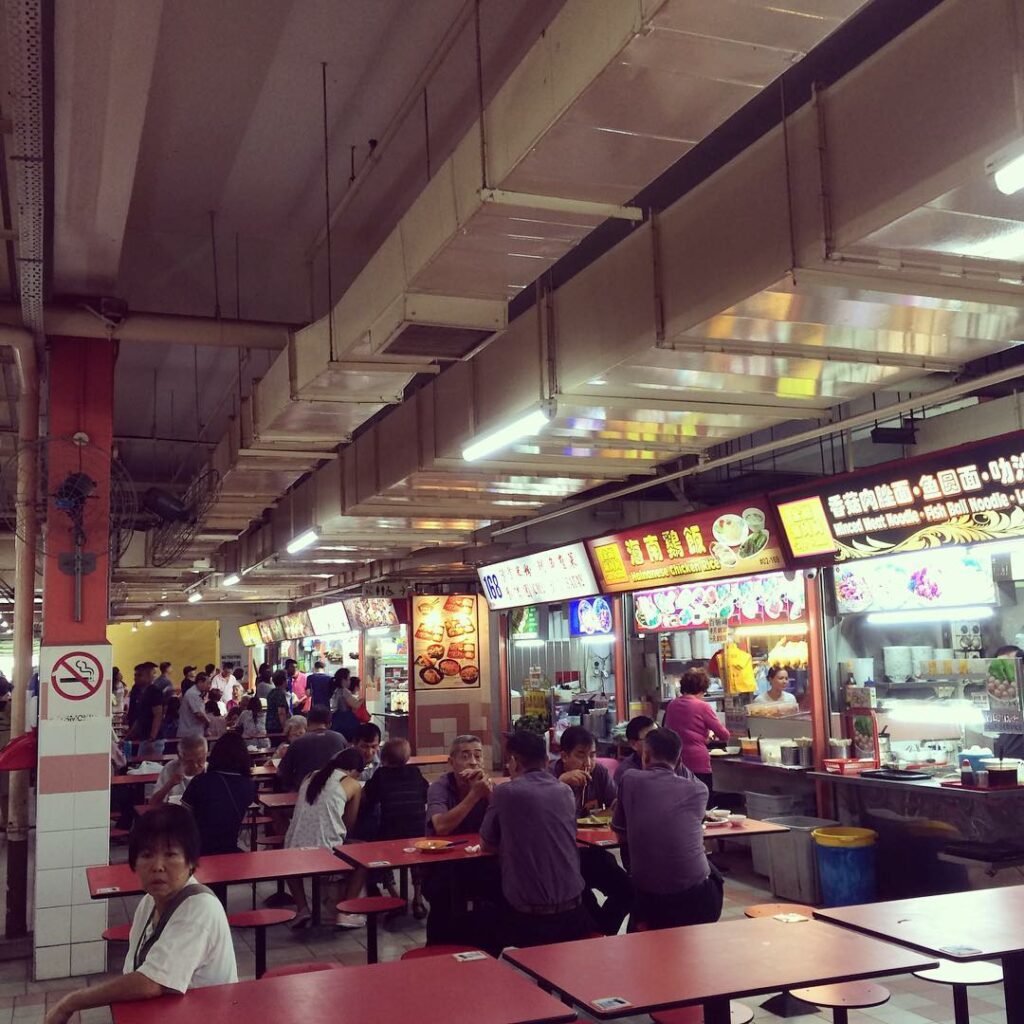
531,824
661,815
310,752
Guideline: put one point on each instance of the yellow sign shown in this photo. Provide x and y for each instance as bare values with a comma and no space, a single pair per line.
610,562
807,527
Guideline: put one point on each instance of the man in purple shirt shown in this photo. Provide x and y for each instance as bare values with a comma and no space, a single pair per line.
661,814
531,824
593,787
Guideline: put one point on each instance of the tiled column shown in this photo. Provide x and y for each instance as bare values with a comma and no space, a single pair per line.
73,779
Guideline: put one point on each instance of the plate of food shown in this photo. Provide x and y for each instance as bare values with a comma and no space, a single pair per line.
593,821
449,666
469,674
431,676
730,529
432,845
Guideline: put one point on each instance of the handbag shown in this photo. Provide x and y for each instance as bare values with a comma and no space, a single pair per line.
362,715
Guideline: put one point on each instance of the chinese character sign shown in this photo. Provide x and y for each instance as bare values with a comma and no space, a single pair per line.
556,575
965,496
730,541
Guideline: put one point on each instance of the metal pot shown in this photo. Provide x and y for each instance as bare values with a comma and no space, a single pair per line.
790,754
1002,771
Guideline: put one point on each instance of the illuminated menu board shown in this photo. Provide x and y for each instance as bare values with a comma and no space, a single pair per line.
967,495
371,612
542,578
271,630
296,625
250,634
717,543
446,652
329,619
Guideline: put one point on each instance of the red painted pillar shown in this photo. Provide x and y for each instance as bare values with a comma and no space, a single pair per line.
73,780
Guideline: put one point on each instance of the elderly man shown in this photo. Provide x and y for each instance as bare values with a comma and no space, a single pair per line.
177,774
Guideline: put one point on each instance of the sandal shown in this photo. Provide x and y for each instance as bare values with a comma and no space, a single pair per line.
419,910
303,919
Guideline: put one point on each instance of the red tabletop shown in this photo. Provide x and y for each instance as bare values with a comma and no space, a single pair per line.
112,880
264,771
749,827
134,780
400,853
723,961
277,800
433,990
422,759
597,837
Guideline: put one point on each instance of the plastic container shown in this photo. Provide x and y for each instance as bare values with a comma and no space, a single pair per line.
763,806
846,865
792,862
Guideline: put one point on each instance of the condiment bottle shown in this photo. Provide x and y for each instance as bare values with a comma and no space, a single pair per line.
966,773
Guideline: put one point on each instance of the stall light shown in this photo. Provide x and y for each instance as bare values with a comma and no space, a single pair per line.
528,643
965,713
195,597
527,425
378,631
303,541
1009,178
230,581
604,639
148,622
135,629
910,618
773,629
164,612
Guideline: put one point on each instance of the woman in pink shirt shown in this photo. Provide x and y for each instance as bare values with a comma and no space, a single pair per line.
691,717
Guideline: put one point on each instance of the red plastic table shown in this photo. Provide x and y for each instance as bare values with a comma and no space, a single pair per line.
983,924
400,853
134,780
277,801
108,881
264,771
625,975
434,990
608,838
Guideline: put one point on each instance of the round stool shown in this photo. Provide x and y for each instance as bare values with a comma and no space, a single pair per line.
270,841
117,933
308,968
960,977
253,824
772,909
739,1013
372,907
425,951
260,921
840,999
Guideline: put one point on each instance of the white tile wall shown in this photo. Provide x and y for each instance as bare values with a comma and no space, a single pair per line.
91,846
53,888
56,738
53,850
93,736
53,926
53,962
92,809
88,921
88,958
79,886
55,811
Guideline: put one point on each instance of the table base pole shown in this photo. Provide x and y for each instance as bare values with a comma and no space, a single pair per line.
1013,987
785,1004
717,1011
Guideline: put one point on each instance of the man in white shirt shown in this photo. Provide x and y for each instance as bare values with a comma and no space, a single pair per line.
192,719
177,774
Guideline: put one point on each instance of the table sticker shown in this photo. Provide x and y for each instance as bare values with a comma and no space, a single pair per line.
473,954
790,918
109,888
379,864
960,950
605,842
611,1003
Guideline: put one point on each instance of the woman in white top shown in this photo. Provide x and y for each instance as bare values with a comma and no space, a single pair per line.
778,680
180,937
252,724
325,809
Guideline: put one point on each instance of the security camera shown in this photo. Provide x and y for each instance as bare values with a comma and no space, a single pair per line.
810,574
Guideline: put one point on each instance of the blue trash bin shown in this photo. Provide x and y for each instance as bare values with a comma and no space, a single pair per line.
846,865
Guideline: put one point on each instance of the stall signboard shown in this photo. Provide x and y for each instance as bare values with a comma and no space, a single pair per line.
525,623
591,616
548,576
329,619
446,642
250,634
754,600
271,630
296,625
965,495
371,612
948,578
714,544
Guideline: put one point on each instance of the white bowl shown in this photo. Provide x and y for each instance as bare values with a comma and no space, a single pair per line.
736,820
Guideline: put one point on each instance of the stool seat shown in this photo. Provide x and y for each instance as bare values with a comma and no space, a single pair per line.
259,819
848,995
949,973
270,841
739,1013
307,968
117,933
260,918
772,909
370,905
119,833
425,951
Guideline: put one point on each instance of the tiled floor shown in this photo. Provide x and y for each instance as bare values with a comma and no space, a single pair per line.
23,1001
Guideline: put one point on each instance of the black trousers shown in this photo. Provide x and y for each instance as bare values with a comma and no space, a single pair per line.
709,780
448,888
700,904
601,871
540,929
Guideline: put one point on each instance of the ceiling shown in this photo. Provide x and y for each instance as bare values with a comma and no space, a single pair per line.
188,156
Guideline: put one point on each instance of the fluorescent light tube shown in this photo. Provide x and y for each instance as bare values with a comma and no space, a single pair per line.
1009,178
527,425
230,581
303,541
164,612
195,597
928,615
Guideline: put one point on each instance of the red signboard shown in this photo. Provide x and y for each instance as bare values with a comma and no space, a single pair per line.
965,495
733,540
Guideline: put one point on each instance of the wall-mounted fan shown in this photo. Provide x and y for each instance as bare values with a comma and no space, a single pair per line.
180,517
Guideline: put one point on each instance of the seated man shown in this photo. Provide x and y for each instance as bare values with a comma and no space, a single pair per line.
366,740
456,803
310,752
531,824
592,787
177,774
636,729
180,937
661,815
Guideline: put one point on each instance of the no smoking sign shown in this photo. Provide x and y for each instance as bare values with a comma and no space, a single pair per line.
79,681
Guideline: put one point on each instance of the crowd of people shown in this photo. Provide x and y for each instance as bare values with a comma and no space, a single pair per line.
539,886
